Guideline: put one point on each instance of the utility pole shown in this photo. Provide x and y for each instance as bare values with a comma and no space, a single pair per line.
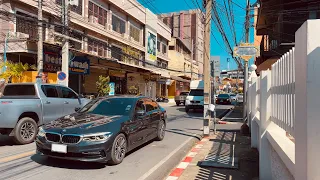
65,47
206,68
228,61
191,59
245,84
40,39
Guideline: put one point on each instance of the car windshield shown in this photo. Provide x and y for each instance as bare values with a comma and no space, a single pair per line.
109,107
223,96
196,92
184,94
232,95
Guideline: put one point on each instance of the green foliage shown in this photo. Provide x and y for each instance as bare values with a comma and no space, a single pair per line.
103,85
15,70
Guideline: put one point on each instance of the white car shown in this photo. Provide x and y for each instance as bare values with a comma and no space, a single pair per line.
239,98
233,97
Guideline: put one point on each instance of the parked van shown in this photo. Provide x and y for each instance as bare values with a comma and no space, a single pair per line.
195,98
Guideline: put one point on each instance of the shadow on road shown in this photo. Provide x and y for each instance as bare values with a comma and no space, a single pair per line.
6,141
226,145
184,133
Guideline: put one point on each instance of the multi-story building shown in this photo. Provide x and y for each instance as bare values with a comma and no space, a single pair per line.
275,25
188,26
181,63
110,38
215,65
233,74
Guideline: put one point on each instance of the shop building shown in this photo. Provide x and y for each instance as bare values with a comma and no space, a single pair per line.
107,38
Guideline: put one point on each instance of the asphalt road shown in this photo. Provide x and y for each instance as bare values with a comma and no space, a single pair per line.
151,161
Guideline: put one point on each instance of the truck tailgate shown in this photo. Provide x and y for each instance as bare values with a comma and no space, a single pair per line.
11,110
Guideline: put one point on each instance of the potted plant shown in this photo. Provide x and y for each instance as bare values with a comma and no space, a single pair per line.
103,86
15,70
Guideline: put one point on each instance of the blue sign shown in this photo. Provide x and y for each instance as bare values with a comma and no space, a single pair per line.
62,76
79,65
112,89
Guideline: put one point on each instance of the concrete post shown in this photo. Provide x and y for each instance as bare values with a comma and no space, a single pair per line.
265,108
307,101
254,126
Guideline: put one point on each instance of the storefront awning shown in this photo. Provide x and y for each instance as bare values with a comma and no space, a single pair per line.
164,73
179,79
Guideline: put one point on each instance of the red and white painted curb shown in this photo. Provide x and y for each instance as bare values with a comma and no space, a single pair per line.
224,117
177,172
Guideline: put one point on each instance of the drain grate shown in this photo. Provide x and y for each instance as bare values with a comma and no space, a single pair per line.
220,162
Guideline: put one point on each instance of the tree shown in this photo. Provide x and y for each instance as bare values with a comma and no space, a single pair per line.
103,85
15,70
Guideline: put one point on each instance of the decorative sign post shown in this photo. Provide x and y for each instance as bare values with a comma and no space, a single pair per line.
245,51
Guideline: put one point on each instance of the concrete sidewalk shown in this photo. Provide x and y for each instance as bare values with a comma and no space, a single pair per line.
224,156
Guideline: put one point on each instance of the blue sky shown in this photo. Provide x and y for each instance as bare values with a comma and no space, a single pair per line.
164,6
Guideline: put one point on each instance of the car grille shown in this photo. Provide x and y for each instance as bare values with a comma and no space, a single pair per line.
53,137
70,139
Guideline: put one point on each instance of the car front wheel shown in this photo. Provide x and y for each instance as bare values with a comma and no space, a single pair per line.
25,131
161,130
119,149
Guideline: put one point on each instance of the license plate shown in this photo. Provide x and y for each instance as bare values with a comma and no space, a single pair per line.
61,148
221,101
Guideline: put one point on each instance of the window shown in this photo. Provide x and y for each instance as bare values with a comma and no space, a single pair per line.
100,48
158,46
164,48
19,90
76,9
150,106
135,33
67,93
196,92
28,26
98,12
223,96
184,93
118,25
140,106
50,91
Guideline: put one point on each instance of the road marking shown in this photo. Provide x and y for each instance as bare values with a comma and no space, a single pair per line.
147,174
18,156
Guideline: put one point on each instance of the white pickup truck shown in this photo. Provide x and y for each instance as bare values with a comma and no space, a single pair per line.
26,106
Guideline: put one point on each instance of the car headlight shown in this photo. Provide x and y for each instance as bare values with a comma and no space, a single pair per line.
97,136
41,132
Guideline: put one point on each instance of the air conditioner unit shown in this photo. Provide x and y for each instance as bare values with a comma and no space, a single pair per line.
21,35
93,19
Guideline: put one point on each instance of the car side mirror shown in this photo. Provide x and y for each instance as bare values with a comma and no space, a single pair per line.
77,109
140,113
80,96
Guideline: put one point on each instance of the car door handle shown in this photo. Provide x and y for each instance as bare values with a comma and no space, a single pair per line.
66,102
48,102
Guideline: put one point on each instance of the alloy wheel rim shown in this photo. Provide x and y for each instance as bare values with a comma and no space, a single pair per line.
27,131
162,127
120,148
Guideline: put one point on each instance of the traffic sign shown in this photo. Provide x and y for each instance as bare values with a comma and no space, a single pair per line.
62,76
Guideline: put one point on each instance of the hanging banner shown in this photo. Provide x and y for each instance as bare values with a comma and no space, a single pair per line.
151,46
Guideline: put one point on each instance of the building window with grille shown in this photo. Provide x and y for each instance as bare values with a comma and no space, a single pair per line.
28,26
97,48
76,9
118,25
135,33
158,46
100,13
164,48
